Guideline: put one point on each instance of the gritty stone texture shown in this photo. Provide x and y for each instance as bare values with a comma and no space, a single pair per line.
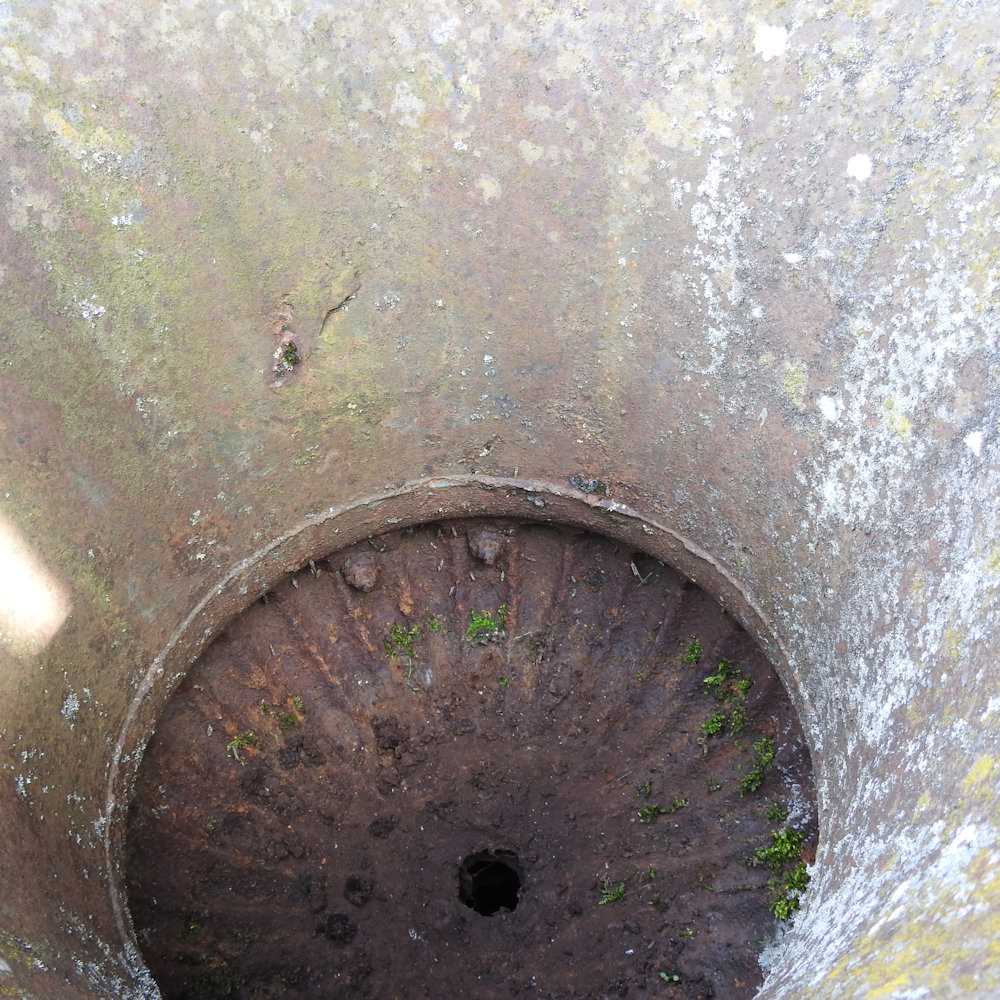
739,261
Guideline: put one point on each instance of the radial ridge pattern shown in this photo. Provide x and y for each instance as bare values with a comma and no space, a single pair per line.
475,758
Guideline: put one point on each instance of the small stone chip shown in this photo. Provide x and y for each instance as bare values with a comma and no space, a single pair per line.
360,572
486,545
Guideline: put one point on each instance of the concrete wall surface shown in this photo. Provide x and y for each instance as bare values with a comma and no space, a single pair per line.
738,260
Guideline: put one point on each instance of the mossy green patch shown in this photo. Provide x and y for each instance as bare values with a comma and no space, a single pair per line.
650,813
400,641
692,652
714,725
790,877
241,741
487,626
786,845
764,751
611,892
777,813
729,685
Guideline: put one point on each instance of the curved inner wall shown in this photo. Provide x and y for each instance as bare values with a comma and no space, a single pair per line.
739,263
472,758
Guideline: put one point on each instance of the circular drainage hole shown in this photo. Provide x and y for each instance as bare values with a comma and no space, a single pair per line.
488,881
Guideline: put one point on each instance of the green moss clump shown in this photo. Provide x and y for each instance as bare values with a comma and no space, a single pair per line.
764,752
693,652
777,812
290,356
783,856
649,814
737,720
241,741
786,845
729,685
611,892
787,892
400,640
287,721
714,725
485,626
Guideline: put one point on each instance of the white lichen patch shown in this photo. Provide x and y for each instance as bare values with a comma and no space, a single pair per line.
974,442
530,153
90,309
718,216
70,708
901,424
769,40
489,187
831,407
407,105
859,167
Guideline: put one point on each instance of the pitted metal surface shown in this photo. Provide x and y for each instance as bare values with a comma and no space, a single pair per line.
301,811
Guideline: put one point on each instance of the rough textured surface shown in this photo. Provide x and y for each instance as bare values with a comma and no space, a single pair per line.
330,746
732,264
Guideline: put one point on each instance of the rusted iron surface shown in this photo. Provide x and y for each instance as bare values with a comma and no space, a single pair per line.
317,779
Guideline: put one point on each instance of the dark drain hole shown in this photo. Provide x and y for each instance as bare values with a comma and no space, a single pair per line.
489,881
